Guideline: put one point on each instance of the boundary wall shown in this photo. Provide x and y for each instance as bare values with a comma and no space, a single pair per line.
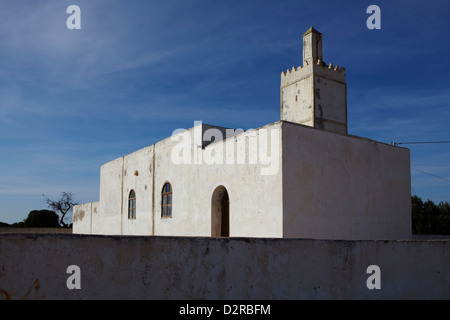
34,266
35,230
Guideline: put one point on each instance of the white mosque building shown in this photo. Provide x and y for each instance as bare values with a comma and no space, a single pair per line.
301,177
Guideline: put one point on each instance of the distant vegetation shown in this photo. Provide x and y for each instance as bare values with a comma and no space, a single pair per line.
427,218
37,219
48,218
430,218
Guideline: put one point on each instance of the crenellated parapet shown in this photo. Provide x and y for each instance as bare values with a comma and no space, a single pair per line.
320,68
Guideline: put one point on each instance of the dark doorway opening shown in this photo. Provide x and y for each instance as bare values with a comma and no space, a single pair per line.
220,213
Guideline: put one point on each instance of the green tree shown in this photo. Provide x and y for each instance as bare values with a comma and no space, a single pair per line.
430,218
416,213
444,218
42,219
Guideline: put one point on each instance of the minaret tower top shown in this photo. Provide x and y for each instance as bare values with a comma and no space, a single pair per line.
312,47
315,94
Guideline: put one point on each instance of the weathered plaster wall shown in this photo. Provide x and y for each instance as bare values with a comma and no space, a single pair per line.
215,268
252,212
315,95
248,165
84,215
82,218
330,99
344,187
138,176
108,221
297,96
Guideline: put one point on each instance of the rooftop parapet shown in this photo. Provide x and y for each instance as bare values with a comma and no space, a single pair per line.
333,72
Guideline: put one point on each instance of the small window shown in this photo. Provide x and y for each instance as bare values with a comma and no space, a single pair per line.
166,203
132,205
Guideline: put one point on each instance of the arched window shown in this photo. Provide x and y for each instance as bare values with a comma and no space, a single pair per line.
166,203
132,205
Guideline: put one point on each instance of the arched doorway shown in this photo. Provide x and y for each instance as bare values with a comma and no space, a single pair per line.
220,213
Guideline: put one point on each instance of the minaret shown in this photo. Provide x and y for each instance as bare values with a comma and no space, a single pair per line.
312,46
315,94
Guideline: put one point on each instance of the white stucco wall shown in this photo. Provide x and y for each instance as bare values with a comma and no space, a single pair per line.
138,176
248,165
344,187
84,215
255,199
330,100
108,219
297,96
82,218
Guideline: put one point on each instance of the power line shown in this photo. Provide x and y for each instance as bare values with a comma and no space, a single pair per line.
417,142
431,174
432,165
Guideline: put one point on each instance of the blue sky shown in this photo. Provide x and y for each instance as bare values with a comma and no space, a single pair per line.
72,100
